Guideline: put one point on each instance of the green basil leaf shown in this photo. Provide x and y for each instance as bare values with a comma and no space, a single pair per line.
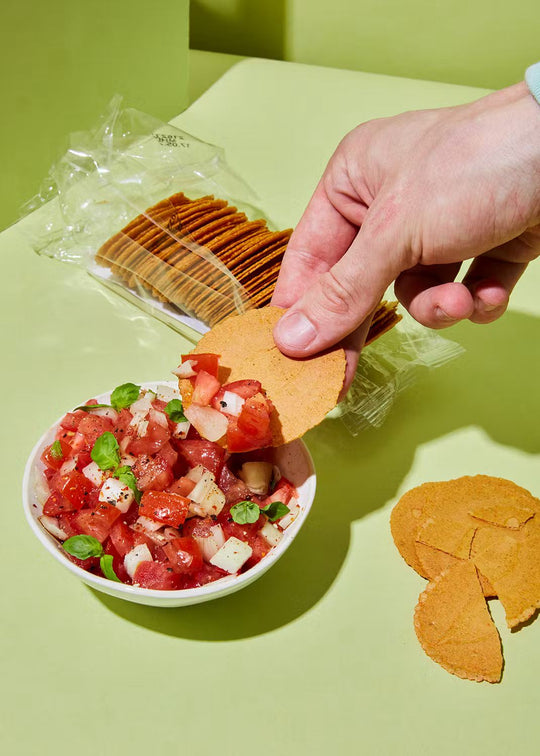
245,512
83,546
90,407
175,411
275,510
56,450
106,563
126,476
125,395
106,452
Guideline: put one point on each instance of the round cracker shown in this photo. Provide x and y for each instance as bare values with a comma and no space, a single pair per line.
302,391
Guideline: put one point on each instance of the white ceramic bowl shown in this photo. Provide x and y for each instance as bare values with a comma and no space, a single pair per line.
296,464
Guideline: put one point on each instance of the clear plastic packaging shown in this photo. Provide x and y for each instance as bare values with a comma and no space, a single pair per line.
120,187
126,167
387,367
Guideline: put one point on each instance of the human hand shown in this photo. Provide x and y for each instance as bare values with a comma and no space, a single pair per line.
408,199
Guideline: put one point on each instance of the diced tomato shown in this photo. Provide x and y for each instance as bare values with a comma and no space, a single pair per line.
49,459
83,459
207,574
207,362
231,528
93,426
118,561
152,473
184,555
251,430
166,507
245,389
183,486
70,422
198,527
90,565
233,488
205,388
283,492
159,404
122,537
200,452
56,504
121,426
259,548
157,576
97,522
75,488
155,437
68,524
168,454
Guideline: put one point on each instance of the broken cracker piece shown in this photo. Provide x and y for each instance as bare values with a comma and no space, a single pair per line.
454,626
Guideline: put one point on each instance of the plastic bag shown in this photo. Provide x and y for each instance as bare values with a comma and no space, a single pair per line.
387,367
127,164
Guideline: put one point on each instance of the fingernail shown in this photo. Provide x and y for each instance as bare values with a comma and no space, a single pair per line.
442,315
295,331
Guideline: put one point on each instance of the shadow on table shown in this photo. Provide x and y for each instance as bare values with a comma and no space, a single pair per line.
494,386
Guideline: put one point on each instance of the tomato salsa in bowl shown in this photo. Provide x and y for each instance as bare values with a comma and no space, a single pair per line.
132,500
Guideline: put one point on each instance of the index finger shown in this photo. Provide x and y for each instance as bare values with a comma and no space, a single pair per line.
320,239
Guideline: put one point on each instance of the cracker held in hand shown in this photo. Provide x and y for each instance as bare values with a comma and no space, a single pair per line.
454,626
481,523
302,391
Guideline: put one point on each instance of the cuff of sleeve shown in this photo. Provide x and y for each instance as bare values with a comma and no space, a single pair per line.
532,79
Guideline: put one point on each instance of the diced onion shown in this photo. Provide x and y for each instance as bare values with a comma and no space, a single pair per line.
68,466
232,555
181,429
167,393
212,543
158,417
51,526
133,558
271,534
143,403
94,473
292,514
195,473
210,423
233,403
114,492
41,490
185,370
108,412
148,524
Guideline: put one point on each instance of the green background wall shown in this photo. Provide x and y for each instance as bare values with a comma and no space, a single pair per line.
485,43
62,60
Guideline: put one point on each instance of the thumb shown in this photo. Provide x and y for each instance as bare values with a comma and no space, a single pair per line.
342,298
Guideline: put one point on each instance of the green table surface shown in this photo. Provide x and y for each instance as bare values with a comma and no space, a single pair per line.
318,656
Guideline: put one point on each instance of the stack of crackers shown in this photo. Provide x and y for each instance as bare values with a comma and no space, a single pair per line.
473,538
206,258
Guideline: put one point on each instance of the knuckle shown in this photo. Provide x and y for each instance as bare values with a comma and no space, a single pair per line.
337,296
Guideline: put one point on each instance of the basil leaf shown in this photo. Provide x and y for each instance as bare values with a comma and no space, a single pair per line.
83,546
56,450
125,395
275,510
245,512
175,411
106,452
106,563
90,407
126,476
